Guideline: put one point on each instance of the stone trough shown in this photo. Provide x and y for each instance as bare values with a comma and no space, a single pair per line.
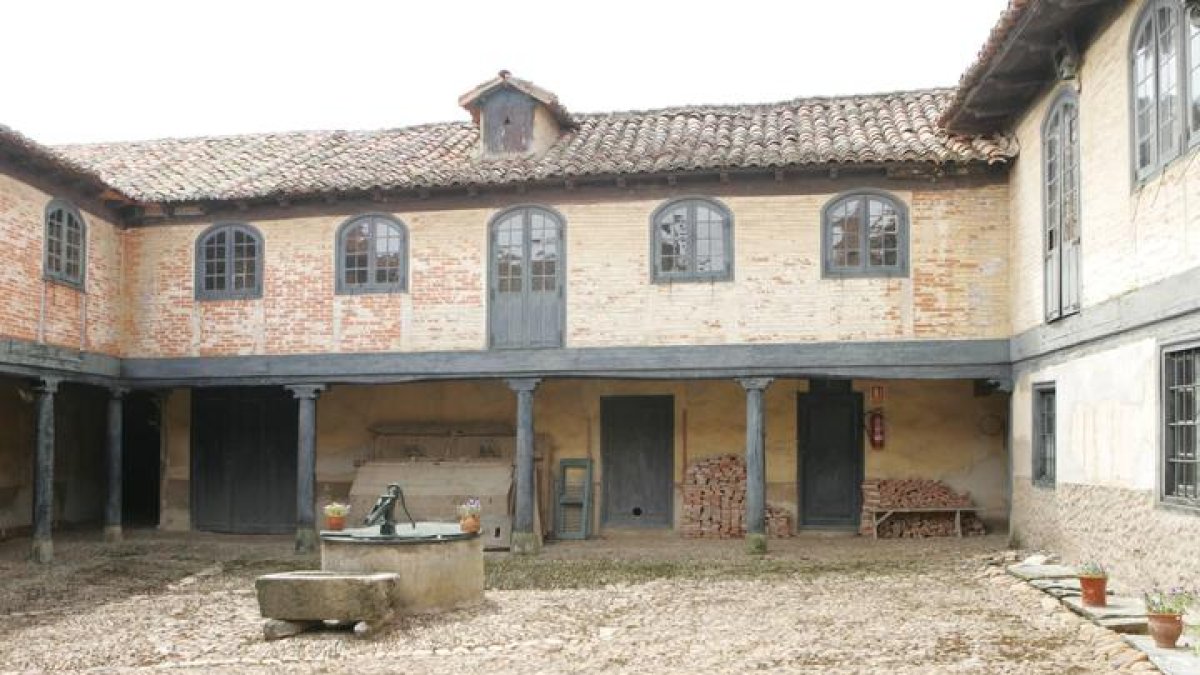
368,578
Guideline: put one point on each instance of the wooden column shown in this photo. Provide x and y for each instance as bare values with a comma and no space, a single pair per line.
756,465
524,539
112,508
43,472
306,466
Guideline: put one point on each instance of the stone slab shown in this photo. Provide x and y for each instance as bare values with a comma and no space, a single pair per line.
1128,625
1031,572
308,595
1179,661
1117,607
1059,588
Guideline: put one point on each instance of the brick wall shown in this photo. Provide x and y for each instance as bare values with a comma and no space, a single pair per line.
957,289
37,310
1131,236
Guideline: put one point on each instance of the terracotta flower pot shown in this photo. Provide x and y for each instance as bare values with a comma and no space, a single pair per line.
1165,629
469,524
335,522
1095,591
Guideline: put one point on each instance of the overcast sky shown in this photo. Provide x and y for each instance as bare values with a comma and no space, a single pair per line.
120,70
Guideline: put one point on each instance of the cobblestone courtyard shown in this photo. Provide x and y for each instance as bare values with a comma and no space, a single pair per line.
630,604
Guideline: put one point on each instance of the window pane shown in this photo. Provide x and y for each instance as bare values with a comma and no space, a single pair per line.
1044,451
356,242
388,251
1144,97
245,261
674,234
710,239
845,220
543,252
1181,471
1194,63
510,246
213,252
1168,83
883,233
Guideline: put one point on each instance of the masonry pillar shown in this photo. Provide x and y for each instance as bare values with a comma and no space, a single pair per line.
306,466
524,540
112,508
43,472
756,466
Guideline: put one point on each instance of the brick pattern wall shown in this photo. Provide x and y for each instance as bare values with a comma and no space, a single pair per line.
958,287
37,310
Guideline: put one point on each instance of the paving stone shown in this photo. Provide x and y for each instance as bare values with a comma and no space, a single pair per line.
1031,572
1178,661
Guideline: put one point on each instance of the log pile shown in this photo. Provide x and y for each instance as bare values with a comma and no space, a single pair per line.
915,493
714,501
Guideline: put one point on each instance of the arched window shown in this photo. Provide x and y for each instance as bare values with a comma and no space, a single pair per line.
865,234
692,240
1157,86
66,243
229,258
372,255
1060,158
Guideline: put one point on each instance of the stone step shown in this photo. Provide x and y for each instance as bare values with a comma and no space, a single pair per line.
1179,661
1121,614
1030,572
313,595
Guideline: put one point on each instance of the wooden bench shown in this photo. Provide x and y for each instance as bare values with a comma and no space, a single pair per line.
876,520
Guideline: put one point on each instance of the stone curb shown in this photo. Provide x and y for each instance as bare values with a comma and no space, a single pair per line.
1112,630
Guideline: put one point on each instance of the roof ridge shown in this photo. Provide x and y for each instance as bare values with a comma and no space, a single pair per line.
801,100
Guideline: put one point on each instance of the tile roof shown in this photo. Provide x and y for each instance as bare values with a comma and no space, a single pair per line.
888,128
28,152
1004,29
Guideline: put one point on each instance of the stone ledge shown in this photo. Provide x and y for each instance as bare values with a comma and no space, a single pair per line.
1179,661
311,595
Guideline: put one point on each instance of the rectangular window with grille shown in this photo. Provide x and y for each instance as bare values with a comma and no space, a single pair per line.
1044,434
1181,440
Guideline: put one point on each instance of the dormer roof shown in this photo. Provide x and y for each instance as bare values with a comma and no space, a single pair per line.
472,99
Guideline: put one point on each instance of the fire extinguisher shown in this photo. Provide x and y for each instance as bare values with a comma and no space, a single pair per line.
875,428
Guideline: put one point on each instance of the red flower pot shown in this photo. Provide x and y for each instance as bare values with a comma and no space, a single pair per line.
1095,591
335,522
1165,629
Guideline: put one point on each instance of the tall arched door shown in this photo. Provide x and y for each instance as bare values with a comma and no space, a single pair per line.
526,299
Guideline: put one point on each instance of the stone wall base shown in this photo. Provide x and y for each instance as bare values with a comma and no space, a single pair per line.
1141,543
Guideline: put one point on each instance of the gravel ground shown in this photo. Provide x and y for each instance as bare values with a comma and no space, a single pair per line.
624,605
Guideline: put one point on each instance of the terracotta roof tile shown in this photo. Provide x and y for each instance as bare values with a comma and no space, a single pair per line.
872,129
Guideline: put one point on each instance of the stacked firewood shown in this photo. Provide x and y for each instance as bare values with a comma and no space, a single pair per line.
714,501
916,493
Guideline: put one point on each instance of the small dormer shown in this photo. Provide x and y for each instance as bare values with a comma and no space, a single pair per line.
515,117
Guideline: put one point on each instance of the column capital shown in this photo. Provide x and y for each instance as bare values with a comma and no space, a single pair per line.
524,383
759,383
305,391
118,392
47,385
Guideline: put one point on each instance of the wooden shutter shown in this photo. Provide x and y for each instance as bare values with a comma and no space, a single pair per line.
574,513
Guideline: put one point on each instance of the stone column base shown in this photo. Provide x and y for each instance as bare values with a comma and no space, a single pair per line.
756,544
43,550
306,540
113,534
525,543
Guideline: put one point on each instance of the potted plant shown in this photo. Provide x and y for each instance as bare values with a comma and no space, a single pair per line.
335,515
1164,614
468,515
1093,583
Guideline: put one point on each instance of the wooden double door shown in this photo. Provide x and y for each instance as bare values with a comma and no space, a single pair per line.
244,460
526,295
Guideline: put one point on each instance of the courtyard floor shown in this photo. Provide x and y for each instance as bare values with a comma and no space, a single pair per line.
629,604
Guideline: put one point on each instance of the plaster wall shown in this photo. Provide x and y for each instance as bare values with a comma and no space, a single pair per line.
936,429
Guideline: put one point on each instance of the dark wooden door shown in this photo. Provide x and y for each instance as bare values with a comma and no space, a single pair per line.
244,460
831,459
637,436
141,470
526,280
